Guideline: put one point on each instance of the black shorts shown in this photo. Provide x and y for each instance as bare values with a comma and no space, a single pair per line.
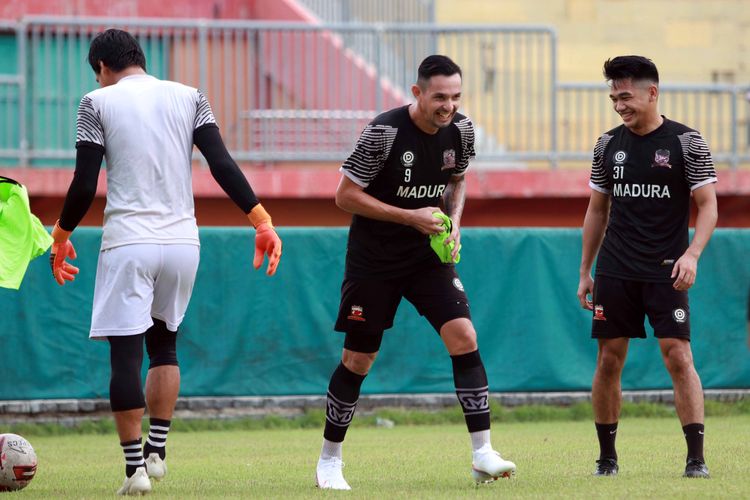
369,305
620,307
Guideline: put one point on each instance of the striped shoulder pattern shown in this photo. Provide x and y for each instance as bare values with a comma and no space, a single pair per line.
466,130
598,180
370,153
89,127
699,165
204,115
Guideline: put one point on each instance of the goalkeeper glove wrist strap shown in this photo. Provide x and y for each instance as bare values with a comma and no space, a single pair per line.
258,216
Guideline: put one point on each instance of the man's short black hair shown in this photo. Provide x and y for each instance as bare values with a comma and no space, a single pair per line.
117,49
436,65
632,67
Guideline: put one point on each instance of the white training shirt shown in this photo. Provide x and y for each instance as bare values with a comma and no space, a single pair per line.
145,126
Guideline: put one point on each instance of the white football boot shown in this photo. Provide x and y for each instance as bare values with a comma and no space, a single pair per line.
156,467
487,465
137,484
328,475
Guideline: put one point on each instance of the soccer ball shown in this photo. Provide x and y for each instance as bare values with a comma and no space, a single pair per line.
17,462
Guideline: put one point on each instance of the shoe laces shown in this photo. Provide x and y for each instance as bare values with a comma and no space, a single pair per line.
486,450
479,455
332,463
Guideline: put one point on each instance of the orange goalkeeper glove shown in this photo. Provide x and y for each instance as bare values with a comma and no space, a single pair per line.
267,242
62,248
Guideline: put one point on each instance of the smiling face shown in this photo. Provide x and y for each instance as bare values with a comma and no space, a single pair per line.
438,100
635,102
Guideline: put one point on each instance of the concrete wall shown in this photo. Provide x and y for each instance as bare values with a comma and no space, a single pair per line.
689,40
304,197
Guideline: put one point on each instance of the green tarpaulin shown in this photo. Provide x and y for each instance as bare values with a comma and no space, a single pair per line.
249,334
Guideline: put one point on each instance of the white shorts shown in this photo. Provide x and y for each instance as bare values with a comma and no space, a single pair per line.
137,282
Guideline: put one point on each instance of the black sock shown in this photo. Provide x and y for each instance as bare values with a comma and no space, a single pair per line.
133,456
607,434
694,438
472,390
157,438
343,394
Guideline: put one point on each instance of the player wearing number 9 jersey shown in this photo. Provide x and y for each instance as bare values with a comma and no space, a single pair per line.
408,166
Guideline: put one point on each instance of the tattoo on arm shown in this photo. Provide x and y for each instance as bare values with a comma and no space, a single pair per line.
454,196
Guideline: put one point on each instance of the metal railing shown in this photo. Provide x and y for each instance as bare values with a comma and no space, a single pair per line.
720,112
263,79
13,142
296,92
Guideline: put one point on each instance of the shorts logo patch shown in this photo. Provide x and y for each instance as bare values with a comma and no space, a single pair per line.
356,314
679,315
457,283
599,313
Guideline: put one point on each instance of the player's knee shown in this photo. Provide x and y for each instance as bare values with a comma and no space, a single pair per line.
465,343
610,362
678,360
125,387
358,362
161,345
360,351
459,336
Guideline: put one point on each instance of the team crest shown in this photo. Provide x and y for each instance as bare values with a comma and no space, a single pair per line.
620,157
407,159
457,283
449,159
661,159
356,314
599,313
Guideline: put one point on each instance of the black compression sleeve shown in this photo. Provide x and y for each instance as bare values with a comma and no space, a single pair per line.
223,168
83,187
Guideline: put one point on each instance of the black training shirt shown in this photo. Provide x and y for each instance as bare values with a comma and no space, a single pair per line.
399,164
649,178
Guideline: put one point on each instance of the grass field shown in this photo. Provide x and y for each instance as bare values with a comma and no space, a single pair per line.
554,460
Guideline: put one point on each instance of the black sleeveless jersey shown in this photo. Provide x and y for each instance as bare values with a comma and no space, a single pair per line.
399,164
650,179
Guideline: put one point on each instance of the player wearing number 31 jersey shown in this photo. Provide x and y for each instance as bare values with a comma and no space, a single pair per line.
650,179
643,175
